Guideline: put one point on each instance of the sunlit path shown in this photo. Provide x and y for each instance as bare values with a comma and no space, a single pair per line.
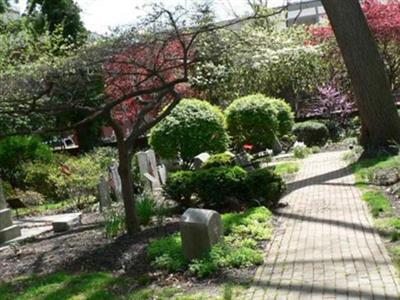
325,246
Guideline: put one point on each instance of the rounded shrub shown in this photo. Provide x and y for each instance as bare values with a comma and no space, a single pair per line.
311,133
194,126
258,120
16,150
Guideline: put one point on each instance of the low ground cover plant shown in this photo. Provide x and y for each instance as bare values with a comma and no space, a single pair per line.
243,234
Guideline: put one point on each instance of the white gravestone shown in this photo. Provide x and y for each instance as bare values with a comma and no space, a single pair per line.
116,180
8,231
104,194
200,230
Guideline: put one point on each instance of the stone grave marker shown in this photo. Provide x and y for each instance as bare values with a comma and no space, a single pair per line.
116,180
200,230
104,194
162,173
198,160
8,231
148,169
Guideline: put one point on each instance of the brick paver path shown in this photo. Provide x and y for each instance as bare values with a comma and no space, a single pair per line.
325,246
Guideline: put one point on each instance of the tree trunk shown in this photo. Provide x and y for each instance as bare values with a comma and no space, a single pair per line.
380,123
124,170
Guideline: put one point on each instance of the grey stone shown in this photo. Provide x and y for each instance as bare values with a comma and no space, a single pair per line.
200,159
65,222
200,230
386,176
148,169
116,179
104,194
5,218
9,233
243,159
3,203
162,173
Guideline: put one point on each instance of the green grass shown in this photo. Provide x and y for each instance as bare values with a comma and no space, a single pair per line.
243,232
34,210
365,169
389,227
287,168
395,252
59,286
379,204
91,286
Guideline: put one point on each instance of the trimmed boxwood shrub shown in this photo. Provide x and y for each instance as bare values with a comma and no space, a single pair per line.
224,186
194,126
311,133
258,120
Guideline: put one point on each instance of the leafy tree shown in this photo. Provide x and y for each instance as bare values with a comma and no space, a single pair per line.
61,15
259,59
143,73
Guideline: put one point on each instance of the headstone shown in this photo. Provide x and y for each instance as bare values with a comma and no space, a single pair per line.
116,180
162,173
8,231
148,169
200,159
200,230
104,194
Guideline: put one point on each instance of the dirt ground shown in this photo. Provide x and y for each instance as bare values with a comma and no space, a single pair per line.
87,249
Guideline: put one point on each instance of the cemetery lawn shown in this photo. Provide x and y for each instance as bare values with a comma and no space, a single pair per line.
384,206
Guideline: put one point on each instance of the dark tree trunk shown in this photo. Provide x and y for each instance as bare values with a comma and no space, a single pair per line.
124,169
379,119
125,153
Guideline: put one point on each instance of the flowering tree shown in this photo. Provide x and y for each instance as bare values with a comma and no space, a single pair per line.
260,59
134,79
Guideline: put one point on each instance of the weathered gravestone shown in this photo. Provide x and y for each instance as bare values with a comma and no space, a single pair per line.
200,159
162,173
200,230
104,194
116,180
148,169
8,231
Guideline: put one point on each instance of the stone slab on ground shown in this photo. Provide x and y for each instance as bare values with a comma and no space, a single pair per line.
65,222
5,218
9,233
325,246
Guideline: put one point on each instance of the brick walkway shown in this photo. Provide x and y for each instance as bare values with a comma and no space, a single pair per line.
325,246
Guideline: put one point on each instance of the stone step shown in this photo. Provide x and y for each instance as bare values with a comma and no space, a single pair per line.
5,218
9,233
